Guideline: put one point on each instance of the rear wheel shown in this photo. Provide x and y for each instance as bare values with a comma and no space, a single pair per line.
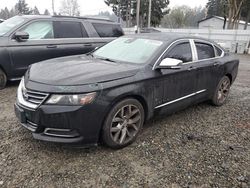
222,91
123,123
3,79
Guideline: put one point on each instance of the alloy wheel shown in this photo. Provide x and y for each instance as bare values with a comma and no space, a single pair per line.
223,90
3,79
125,124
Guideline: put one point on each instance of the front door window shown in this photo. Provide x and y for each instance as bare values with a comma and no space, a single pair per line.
40,30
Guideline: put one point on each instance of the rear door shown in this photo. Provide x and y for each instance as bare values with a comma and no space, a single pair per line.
208,66
72,38
38,47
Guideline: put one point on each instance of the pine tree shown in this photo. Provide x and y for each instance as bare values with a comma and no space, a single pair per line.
4,13
35,11
126,9
216,7
22,7
46,12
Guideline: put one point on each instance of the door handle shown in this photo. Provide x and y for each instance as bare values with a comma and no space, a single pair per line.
87,44
192,68
52,46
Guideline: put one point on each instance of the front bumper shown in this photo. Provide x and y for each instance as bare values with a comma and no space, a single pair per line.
62,124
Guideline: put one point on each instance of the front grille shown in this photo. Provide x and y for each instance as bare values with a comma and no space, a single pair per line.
28,98
34,97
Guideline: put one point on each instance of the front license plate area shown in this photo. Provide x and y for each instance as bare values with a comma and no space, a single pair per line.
20,114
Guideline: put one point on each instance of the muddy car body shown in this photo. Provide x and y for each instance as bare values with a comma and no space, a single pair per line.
109,94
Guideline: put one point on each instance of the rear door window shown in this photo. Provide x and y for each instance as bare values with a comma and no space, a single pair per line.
204,50
108,30
68,29
181,51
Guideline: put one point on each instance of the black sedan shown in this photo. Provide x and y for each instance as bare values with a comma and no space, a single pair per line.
108,94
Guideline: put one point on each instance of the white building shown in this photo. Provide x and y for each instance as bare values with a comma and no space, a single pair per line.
216,22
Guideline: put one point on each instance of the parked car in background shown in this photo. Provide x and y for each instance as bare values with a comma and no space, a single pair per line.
109,93
28,39
1,20
148,30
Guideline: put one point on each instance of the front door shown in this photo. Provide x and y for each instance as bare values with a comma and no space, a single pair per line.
40,46
178,86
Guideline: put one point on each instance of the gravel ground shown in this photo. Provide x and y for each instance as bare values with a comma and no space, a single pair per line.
202,146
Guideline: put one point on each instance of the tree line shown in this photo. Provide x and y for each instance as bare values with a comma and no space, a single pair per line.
21,7
231,10
126,10
68,7
183,17
178,17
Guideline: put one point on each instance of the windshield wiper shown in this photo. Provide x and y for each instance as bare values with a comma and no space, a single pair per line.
106,59
90,54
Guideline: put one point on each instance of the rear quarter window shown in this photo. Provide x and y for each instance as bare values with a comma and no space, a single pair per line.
108,30
218,51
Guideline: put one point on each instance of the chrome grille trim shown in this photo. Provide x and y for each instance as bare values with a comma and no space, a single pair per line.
33,101
28,98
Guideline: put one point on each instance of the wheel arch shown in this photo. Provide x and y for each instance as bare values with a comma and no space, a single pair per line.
230,77
118,99
140,98
1,67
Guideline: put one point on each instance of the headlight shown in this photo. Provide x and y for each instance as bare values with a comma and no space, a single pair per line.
81,99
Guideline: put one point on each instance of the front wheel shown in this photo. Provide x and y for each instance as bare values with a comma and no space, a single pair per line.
123,123
3,79
222,91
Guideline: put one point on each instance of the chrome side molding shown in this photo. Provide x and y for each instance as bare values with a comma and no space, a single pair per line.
179,99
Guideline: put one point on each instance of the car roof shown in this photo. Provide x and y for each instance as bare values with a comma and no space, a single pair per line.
103,19
167,37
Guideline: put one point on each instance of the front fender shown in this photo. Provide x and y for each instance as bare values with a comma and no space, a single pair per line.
136,90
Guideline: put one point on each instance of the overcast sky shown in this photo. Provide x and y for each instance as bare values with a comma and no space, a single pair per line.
89,7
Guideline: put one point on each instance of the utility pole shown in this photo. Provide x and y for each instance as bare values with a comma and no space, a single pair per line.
138,16
53,7
119,11
149,13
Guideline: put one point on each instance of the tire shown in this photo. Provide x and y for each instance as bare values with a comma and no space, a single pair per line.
221,92
3,79
123,124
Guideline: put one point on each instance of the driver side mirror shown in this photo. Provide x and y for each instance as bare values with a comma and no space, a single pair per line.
21,36
170,63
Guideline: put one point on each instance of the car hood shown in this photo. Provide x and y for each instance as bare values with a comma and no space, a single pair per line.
79,70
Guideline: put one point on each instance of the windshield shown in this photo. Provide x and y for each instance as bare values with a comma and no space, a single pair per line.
9,24
132,50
